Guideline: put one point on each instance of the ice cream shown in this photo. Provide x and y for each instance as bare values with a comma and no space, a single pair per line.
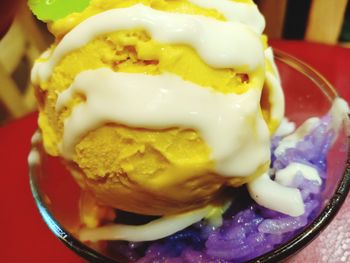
162,110
159,106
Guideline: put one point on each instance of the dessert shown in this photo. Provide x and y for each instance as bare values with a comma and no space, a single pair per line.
163,110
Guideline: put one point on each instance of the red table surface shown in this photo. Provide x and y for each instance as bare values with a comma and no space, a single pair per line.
25,237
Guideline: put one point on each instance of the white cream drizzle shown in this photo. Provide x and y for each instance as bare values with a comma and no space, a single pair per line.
236,12
36,138
287,175
39,63
276,95
154,230
272,195
291,140
339,116
278,194
230,124
219,44
271,58
286,128
34,157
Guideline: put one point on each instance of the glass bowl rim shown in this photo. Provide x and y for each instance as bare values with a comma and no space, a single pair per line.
283,251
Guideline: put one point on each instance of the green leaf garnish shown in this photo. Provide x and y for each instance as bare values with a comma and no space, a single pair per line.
52,10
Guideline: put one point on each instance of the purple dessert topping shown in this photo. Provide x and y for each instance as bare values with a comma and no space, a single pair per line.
248,230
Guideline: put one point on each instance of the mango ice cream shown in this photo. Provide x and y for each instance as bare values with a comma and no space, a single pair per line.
157,106
170,114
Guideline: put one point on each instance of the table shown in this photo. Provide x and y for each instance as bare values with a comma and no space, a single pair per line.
25,237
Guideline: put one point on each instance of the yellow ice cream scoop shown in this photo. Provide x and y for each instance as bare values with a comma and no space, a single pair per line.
151,110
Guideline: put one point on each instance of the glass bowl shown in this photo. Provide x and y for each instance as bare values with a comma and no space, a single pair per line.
307,94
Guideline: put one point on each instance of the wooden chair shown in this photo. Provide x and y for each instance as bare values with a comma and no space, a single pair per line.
23,41
324,23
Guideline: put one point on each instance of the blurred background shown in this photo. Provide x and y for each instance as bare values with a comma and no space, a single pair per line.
23,38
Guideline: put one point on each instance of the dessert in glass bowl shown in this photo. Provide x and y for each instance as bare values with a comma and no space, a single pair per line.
170,115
